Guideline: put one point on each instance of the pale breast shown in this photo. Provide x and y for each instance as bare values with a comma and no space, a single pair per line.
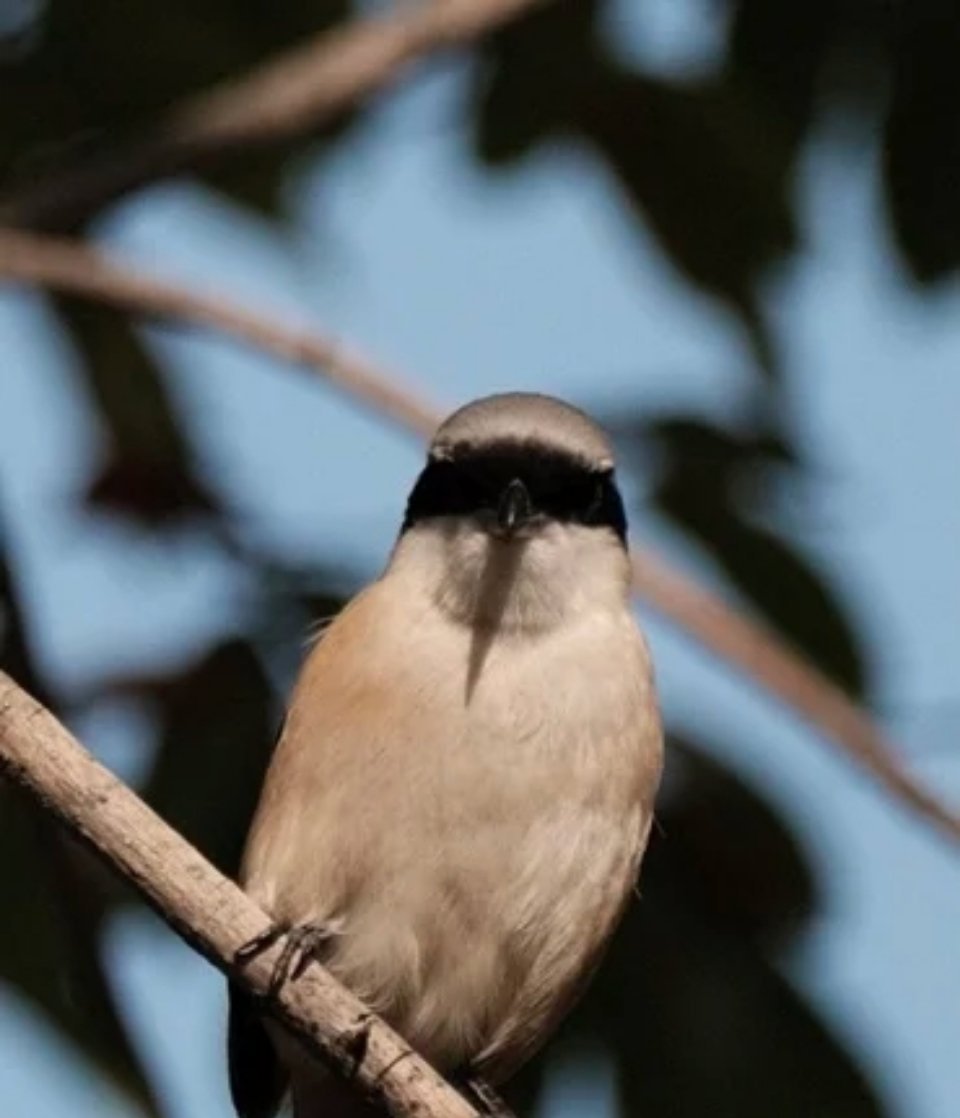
474,868
563,776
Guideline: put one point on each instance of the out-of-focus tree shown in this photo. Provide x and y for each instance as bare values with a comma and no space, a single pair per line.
708,165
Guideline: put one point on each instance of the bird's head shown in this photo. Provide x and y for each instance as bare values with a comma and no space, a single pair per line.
518,509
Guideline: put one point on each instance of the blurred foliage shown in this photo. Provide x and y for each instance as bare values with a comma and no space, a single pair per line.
692,1007
80,77
695,1016
147,472
50,948
714,483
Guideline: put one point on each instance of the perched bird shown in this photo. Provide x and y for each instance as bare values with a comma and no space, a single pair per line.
456,809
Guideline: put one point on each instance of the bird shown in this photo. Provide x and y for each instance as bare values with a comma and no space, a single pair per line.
455,812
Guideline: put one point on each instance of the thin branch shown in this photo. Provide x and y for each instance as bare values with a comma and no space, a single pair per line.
291,95
763,657
209,911
73,268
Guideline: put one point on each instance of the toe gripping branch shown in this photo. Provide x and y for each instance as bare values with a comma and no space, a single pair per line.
304,944
485,1097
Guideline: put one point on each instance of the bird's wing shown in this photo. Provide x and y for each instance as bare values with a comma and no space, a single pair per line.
301,776
533,1018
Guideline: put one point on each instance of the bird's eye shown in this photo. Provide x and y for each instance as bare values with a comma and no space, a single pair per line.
476,490
569,497
595,503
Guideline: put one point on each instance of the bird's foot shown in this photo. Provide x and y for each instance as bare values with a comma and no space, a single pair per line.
304,944
486,1098
356,1041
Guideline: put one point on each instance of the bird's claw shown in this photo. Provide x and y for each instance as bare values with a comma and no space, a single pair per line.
304,943
356,1041
487,1099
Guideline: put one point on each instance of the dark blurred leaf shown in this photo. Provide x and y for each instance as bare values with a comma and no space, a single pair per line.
699,165
150,473
270,27
105,70
256,183
54,910
297,601
90,77
696,1019
700,1024
15,654
922,139
217,717
726,854
701,489
112,68
257,179
777,52
522,1093
704,164
50,944
218,722
533,79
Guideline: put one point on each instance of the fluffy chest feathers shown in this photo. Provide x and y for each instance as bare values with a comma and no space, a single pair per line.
463,791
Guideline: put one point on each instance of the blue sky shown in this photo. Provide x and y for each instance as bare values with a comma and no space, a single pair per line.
466,285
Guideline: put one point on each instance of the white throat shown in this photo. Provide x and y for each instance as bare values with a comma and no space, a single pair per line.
521,586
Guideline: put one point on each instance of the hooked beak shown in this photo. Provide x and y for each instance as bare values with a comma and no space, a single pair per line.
515,507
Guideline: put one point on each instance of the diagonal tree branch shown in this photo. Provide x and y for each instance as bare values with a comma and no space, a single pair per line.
209,911
762,656
289,96
765,658
73,268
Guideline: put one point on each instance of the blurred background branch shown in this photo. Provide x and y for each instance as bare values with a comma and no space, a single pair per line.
74,268
291,95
